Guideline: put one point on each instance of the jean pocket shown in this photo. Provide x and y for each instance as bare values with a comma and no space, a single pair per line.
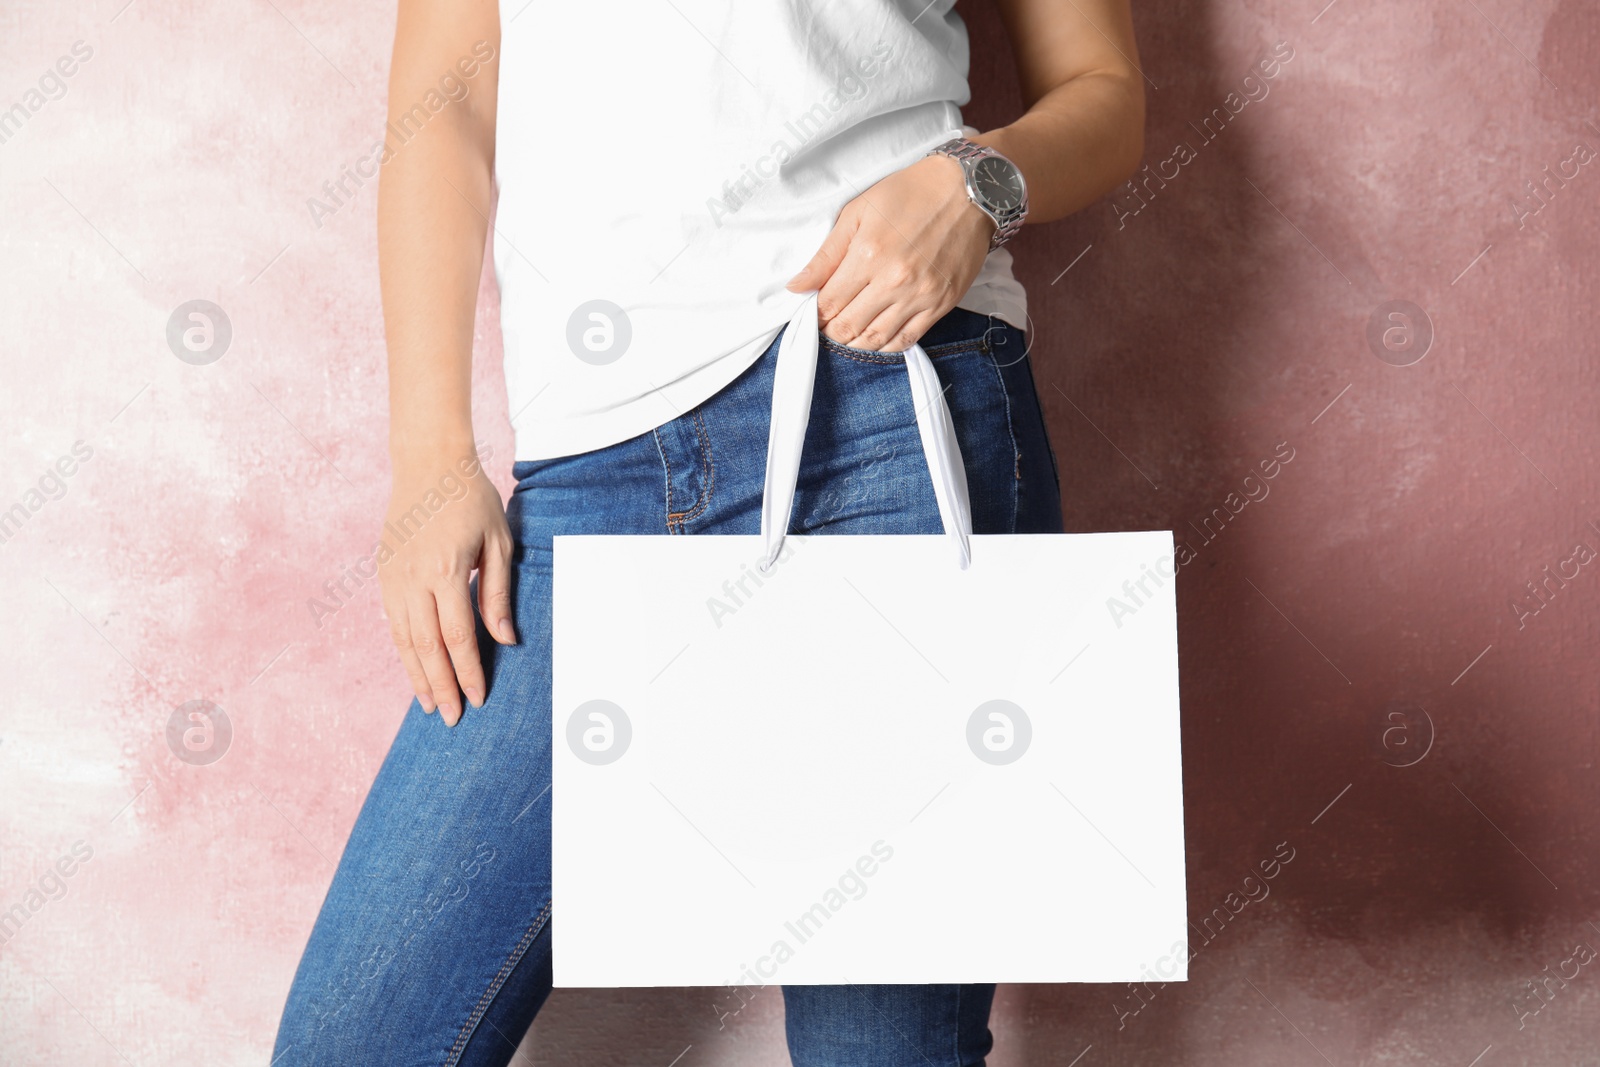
958,332
863,355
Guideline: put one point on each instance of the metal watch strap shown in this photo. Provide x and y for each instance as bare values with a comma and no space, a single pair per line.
968,153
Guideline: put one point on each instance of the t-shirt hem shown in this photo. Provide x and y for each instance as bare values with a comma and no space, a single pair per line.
591,432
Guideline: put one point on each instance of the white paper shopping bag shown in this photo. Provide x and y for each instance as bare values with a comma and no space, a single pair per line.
903,759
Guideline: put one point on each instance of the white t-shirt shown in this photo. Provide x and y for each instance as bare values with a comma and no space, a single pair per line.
664,169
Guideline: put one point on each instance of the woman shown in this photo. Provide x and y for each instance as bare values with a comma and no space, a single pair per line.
663,172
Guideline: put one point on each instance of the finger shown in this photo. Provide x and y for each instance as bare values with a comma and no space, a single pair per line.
400,633
895,329
494,590
429,645
851,325
826,261
841,290
458,627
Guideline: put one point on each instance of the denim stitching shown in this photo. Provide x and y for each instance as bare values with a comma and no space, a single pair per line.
861,355
484,1001
667,463
708,467
1011,431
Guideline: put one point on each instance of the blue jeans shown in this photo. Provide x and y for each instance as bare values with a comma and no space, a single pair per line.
433,944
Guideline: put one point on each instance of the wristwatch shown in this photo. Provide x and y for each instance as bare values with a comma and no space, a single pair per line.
994,183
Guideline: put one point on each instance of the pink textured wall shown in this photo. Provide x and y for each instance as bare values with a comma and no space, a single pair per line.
1365,674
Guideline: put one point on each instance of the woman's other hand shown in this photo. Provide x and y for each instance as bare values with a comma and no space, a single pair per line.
442,524
434,194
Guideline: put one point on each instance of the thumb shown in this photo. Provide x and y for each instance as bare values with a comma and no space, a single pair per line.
815,274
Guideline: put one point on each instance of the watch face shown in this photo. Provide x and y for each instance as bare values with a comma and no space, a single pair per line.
999,183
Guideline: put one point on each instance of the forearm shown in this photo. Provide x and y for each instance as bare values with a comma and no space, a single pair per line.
433,199
1083,133
1080,141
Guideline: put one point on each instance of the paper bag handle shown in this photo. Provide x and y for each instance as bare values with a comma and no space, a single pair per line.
793,378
